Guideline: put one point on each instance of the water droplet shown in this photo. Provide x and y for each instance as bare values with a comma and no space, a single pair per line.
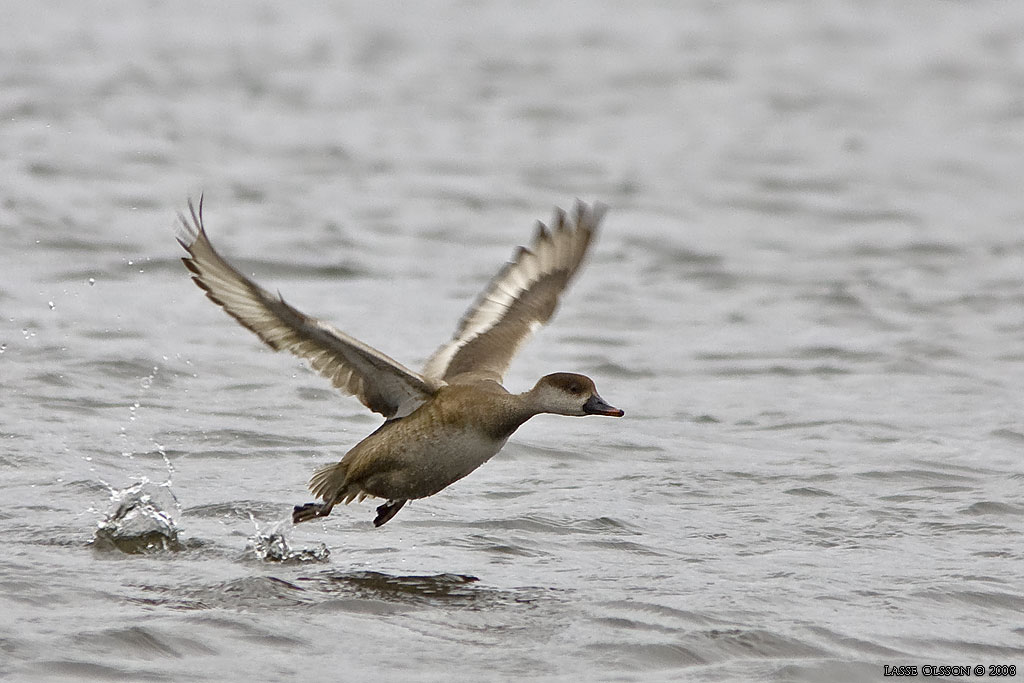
92,281
3,347
51,305
131,262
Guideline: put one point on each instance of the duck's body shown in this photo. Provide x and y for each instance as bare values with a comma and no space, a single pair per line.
442,424
442,441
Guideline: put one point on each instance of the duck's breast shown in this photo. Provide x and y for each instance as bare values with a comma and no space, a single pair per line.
438,444
412,459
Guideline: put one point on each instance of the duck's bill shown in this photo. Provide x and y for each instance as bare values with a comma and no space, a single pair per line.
595,405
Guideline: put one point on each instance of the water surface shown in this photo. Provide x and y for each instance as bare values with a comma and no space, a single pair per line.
807,297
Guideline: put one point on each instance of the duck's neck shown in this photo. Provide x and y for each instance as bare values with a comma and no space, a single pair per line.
518,409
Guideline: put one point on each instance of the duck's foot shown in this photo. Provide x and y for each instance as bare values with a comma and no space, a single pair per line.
304,513
387,511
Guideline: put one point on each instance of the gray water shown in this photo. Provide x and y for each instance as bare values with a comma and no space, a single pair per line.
808,297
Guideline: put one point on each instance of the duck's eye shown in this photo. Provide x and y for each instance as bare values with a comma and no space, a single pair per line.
575,389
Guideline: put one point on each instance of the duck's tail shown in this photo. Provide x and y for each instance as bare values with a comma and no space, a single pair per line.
330,484
327,481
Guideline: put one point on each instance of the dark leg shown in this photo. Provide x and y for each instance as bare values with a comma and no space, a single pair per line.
387,511
304,513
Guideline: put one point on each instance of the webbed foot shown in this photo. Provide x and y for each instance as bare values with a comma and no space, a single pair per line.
387,511
304,513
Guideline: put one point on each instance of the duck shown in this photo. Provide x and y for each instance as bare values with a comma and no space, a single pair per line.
444,422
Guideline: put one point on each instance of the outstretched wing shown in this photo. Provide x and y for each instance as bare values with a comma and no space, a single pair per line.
382,384
519,299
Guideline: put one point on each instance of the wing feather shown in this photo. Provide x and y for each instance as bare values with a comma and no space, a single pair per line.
518,300
382,384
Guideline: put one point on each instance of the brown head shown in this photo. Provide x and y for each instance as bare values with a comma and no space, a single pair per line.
566,393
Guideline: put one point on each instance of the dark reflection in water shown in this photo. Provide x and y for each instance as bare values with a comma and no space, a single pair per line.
251,592
356,591
436,589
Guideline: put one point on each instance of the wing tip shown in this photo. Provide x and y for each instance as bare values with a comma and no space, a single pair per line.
584,221
190,227
557,250
589,216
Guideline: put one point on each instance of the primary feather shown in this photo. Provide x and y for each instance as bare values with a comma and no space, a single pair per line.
382,384
517,301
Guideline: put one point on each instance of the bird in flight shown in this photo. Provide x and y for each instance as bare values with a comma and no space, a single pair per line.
444,422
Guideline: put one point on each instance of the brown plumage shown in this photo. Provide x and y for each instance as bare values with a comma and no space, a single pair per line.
445,422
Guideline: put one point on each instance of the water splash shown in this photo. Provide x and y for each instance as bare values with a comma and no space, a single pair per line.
166,484
270,545
137,522
144,385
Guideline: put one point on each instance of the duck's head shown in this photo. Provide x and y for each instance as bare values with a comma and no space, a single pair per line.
566,393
